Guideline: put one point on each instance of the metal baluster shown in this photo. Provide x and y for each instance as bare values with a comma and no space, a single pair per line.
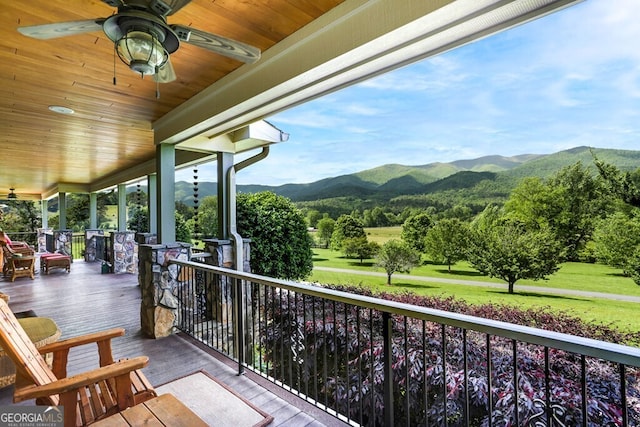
515,382
583,382
489,382
623,396
407,379
547,381
465,369
346,365
387,333
444,373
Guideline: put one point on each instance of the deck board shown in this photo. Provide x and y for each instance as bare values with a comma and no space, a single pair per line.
85,300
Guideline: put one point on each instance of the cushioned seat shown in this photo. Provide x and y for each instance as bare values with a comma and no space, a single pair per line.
54,260
41,331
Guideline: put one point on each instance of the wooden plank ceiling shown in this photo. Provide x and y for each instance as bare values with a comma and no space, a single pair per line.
111,127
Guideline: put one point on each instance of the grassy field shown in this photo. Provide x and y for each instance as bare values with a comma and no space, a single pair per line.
574,276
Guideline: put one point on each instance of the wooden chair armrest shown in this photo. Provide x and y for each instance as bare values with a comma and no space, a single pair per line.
82,340
60,349
64,385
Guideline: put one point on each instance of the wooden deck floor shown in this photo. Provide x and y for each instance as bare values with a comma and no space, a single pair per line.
85,301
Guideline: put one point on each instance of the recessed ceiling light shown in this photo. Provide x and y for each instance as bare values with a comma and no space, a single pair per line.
61,110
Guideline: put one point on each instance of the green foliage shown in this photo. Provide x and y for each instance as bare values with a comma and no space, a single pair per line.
568,203
616,240
325,230
183,233
633,267
397,256
208,217
511,251
20,215
446,241
623,185
138,219
184,210
347,226
281,246
312,217
415,229
376,217
360,248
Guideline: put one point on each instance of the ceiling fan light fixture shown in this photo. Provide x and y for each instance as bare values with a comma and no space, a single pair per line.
12,195
142,52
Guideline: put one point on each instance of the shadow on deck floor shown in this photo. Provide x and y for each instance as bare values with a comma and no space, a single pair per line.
85,300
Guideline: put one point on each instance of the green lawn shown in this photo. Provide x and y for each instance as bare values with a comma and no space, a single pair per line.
576,276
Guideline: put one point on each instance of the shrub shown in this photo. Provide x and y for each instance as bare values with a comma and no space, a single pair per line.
333,353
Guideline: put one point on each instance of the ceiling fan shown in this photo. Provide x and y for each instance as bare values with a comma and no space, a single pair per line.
142,37
12,195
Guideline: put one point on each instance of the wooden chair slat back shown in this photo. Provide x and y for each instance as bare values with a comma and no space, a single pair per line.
19,347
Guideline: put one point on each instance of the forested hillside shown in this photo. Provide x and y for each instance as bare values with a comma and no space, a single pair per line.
472,183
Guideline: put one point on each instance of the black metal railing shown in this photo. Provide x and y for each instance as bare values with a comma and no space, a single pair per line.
374,362
24,236
77,245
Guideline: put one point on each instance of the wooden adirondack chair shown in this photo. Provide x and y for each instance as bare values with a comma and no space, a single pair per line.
86,397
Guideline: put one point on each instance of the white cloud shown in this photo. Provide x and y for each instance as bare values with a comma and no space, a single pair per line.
569,79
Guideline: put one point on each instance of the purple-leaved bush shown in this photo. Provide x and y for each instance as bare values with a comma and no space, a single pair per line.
333,353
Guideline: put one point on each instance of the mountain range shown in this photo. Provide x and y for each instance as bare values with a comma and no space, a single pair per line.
386,182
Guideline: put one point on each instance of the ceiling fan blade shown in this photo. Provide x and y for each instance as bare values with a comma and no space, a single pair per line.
62,29
218,44
176,5
165,74
114,3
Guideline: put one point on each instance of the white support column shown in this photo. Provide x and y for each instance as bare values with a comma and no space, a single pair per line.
93,211
152,203
166,193
62,211
44,212
122,207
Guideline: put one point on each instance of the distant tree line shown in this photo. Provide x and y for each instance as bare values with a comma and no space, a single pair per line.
577,214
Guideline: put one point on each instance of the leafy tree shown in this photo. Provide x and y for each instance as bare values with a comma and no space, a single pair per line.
624,185
183,233
511,251
569,204
347,226
376,217
185,210
20,215
138,219
360,248
414,230
616,240
313,216
446,241
280,243
633,267
208,216
397,256
325,230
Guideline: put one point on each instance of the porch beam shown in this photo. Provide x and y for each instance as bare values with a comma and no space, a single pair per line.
356,40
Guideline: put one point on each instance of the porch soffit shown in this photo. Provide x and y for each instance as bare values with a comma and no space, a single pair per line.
353,42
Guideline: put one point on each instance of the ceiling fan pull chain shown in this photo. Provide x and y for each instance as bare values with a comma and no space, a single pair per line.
157,86
114,64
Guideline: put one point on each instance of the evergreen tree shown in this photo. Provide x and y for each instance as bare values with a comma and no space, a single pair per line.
280,243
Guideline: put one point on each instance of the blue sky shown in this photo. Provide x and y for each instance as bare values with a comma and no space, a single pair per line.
569,79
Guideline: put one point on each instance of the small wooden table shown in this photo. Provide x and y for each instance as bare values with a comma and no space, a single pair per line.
164,410
21,266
